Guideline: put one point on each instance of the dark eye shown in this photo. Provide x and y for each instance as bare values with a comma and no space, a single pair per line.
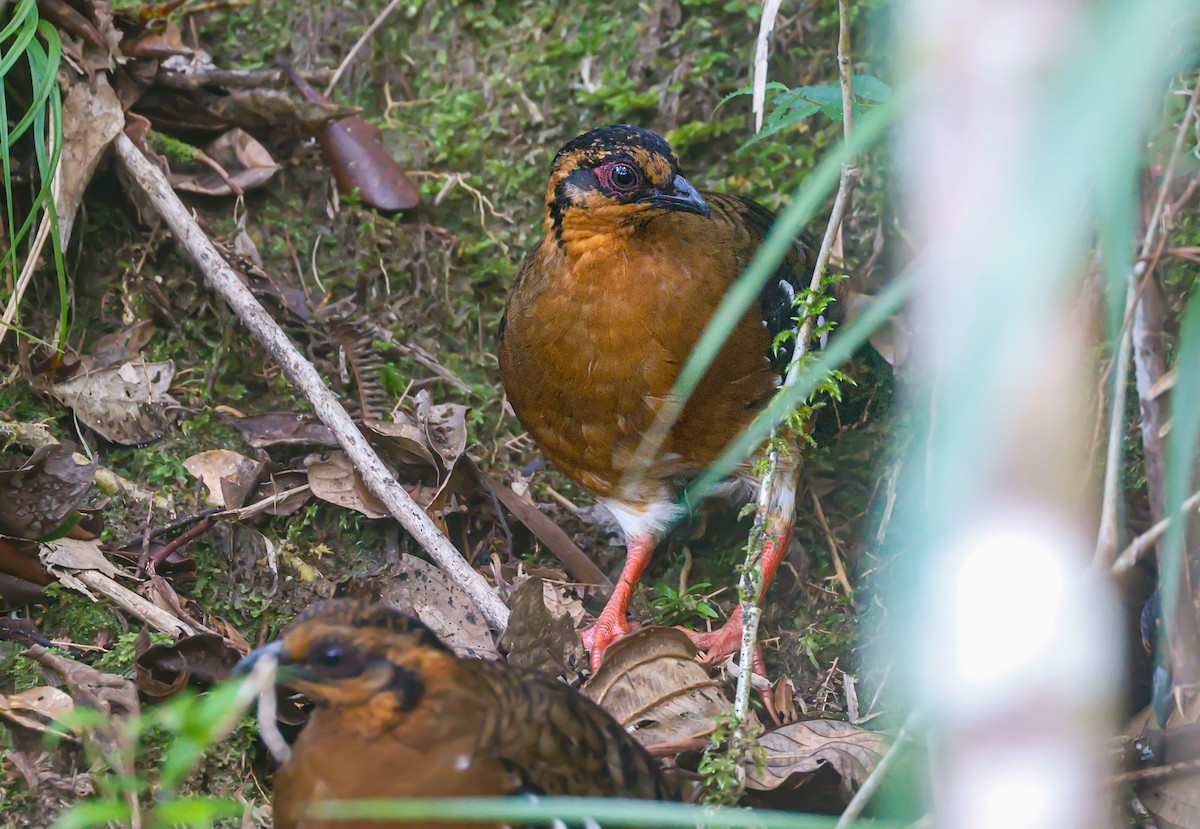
330,656
335,659
624,177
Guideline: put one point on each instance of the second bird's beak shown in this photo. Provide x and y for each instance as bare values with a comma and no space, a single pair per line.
247,663
680,196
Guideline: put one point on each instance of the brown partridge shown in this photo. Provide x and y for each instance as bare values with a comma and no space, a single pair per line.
600,320
399,715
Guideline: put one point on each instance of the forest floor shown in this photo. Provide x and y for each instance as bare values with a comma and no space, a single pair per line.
399,313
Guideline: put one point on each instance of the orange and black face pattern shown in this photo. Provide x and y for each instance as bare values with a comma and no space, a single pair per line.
344,652
617,175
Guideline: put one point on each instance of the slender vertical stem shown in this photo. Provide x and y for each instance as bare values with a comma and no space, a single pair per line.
780,471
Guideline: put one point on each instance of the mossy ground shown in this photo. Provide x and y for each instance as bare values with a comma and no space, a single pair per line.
485,92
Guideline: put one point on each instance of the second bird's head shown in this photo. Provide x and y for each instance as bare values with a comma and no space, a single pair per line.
619,175
345,653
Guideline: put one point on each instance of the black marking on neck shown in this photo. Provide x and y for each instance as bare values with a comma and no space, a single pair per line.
407,686
583,179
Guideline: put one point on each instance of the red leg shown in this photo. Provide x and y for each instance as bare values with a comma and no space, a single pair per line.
612,623
727,639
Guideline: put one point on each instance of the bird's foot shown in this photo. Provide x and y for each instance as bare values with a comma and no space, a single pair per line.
715,645
609,628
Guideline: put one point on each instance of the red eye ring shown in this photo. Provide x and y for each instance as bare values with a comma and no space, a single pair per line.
620,176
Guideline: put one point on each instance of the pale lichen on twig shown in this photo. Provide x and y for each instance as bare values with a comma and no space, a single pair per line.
780,472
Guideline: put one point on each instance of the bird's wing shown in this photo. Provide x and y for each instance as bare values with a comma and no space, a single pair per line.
558,742
750,223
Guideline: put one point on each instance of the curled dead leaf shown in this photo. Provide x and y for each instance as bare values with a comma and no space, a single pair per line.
283,429
66,556
651,683
38,496
228,476
272,109
244,164
281,494
91,119
337,481
164,670
538,637
444,425
37,709
796,750
423,590
126,404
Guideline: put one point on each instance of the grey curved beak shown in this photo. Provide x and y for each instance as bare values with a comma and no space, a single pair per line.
246,665
682,197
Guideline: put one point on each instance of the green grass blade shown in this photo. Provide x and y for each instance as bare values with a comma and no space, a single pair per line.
788,224
842,347
574,811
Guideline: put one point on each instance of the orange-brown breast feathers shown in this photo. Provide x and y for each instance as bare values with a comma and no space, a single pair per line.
398,715
599,325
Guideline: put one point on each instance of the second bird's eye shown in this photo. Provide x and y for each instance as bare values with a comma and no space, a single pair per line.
332,655
624,177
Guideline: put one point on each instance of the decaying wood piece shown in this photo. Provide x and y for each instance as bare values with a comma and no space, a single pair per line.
192,240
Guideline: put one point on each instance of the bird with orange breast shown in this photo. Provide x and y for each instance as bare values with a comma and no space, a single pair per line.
399,715
601,318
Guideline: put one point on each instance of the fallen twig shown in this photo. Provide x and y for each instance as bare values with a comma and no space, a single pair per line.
358,44
307,380
131,602
1142,544
186,537
233,78
1108,535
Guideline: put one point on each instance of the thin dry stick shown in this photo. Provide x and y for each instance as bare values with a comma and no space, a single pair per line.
1107,537
779,475
358,44
875,779
132,603
766,25
304,377
1142,544
262,682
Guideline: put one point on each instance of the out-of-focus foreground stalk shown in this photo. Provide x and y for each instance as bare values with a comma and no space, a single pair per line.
1027,115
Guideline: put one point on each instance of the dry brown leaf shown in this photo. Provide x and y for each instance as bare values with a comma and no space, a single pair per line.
401,442
65,556
108,693
266,109
37,497
651,683
164,670
284,429
37,708
88,686
445,427
227,475
126,404
577,562
91,119
335,480
797,750
275,487
541,638
420,589
119,346
245,161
